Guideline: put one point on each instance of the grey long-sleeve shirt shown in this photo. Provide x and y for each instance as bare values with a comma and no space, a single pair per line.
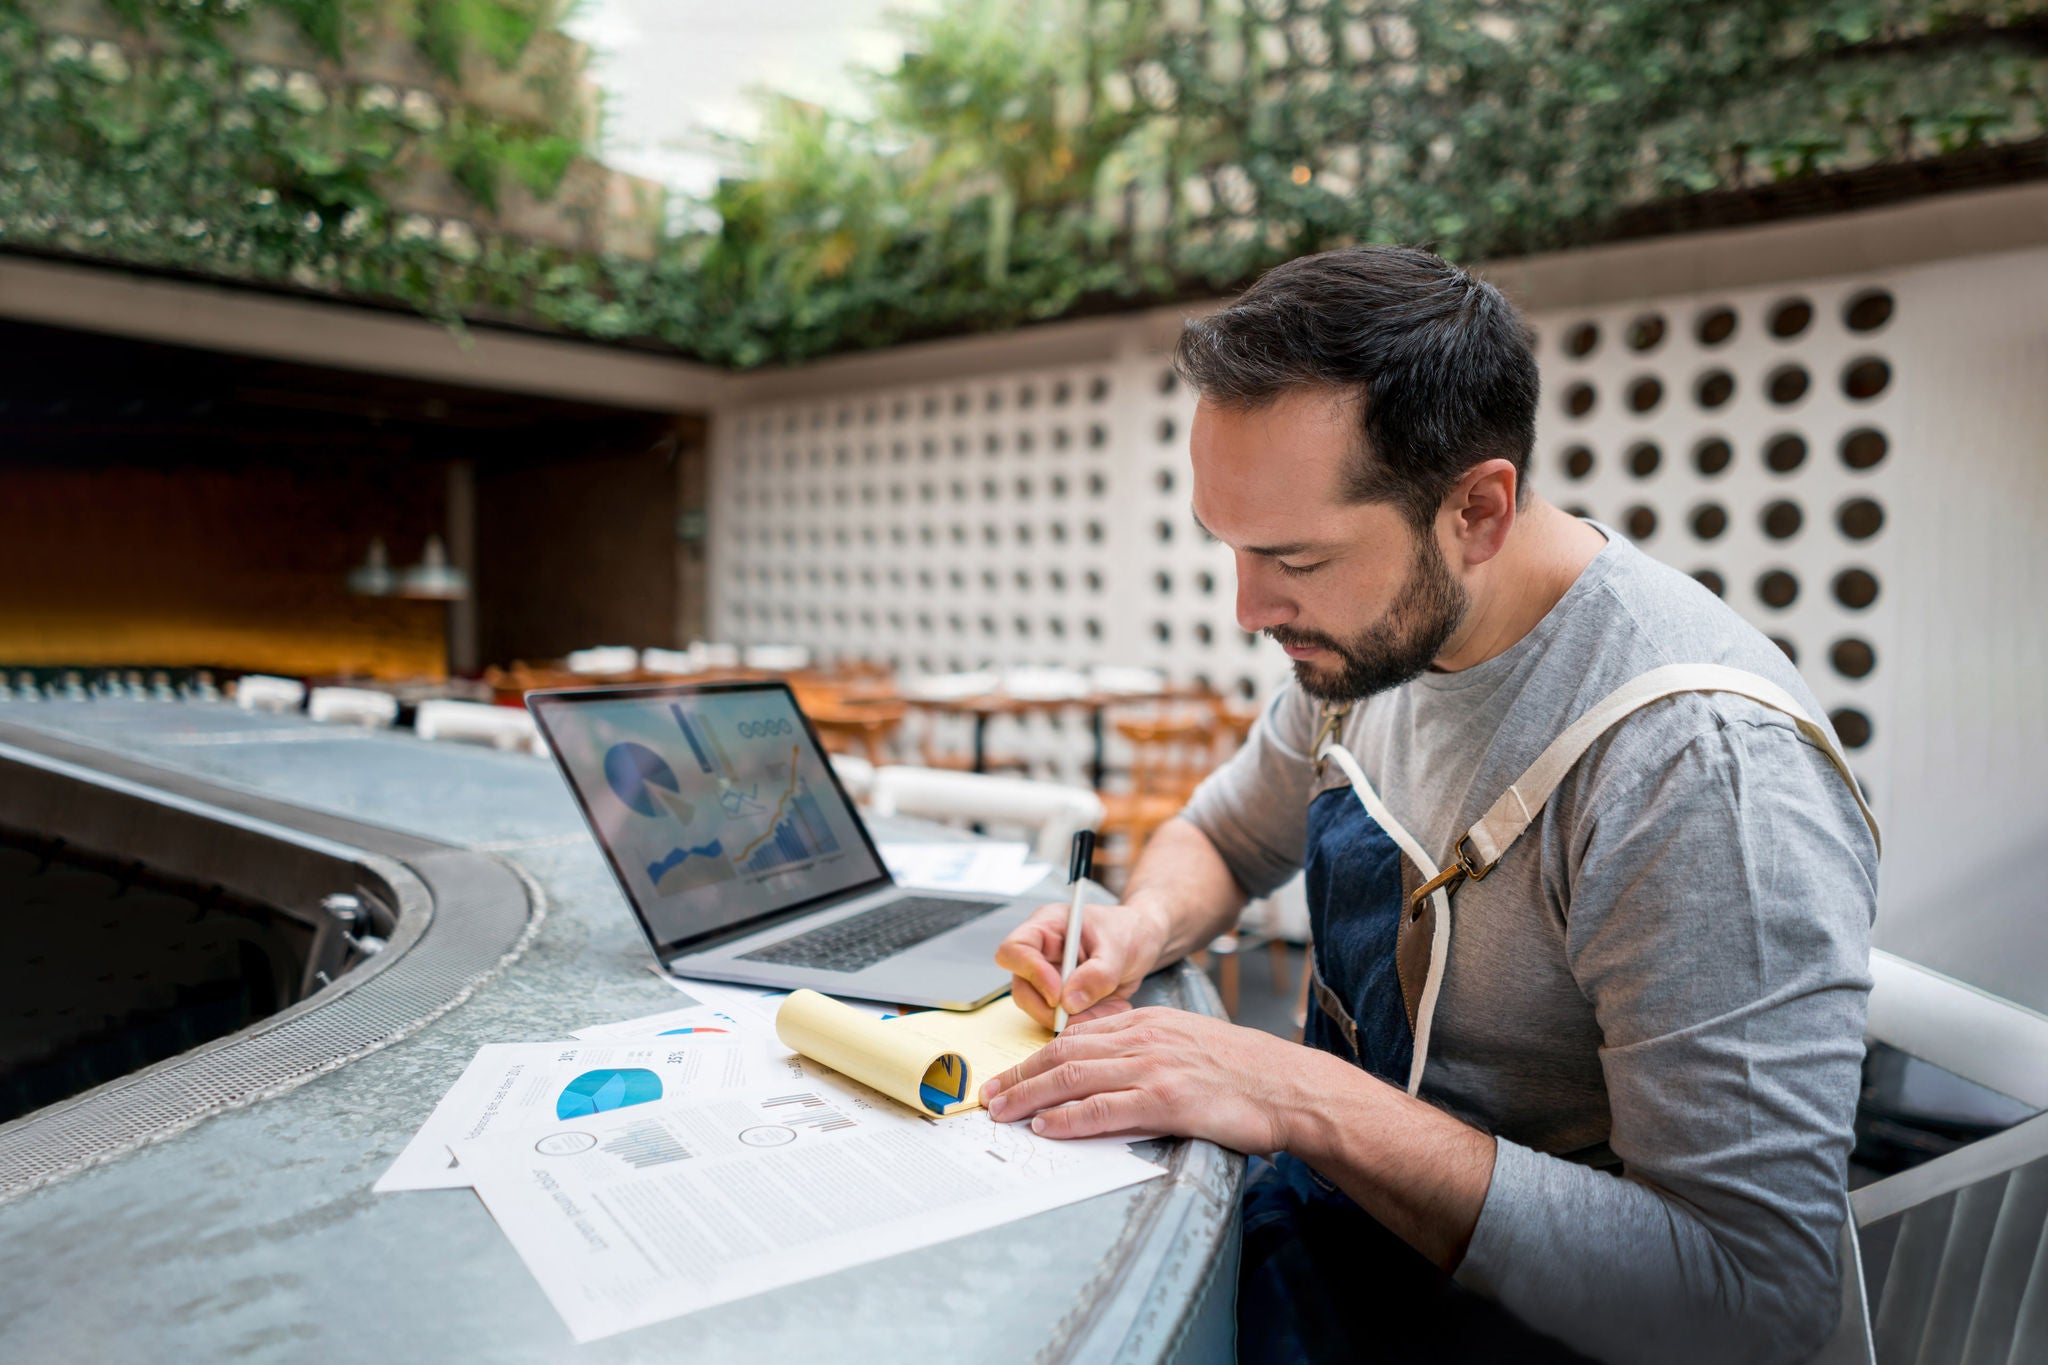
1656,1001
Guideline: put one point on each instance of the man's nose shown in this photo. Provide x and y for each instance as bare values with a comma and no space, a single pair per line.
1259,607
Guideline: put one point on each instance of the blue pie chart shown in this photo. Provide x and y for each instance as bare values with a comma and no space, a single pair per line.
594,1092
631,769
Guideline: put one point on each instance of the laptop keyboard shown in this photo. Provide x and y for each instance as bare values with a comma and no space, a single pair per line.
860,941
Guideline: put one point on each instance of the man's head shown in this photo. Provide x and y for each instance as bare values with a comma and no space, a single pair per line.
1361,441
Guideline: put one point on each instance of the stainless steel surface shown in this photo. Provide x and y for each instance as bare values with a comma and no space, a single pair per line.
222,1241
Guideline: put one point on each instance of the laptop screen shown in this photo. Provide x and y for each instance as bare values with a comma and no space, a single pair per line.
714,805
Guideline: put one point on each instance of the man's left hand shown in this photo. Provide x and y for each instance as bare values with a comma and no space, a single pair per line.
1159,1071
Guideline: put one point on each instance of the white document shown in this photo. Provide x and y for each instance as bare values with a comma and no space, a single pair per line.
704,1022
518,1085
991,868
635,1216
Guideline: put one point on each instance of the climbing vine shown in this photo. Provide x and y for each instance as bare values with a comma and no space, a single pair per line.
1028,159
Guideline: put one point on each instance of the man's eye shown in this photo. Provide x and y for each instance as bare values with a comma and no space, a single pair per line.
1296,570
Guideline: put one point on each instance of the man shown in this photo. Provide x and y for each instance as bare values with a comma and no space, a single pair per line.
1633,1033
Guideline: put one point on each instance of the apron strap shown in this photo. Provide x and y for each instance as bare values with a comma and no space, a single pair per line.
1486,842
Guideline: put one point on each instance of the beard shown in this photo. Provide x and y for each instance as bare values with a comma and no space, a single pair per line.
1399,646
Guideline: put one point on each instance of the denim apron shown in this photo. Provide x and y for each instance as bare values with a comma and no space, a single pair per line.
1380,917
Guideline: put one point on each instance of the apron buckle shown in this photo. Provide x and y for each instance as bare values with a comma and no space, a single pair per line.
1464,867
1333,721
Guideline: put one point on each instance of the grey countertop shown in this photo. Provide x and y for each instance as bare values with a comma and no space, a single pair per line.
255,1235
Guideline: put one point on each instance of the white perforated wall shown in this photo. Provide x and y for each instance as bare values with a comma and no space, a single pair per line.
1747,437
1855,463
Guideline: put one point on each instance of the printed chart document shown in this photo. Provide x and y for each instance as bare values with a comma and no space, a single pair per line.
630,1217
978,865
517,1085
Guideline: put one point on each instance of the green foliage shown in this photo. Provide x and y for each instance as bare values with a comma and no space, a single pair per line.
1028,159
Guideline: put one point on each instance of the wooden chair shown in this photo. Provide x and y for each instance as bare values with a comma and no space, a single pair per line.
1171,753
866,728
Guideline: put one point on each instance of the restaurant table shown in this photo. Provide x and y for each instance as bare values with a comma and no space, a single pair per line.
254,1235
983,707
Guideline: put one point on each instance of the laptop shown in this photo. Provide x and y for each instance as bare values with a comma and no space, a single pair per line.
744,860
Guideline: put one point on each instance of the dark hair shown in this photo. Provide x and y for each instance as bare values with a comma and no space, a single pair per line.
1440,359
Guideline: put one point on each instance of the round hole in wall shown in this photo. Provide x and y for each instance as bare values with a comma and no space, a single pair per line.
1777,588
1581,340
1163,529
1056,579
1711,581
1781,520
1098,388
1865,378
1787,384
1646,333
1162,582
1061,392
1644,393
1709,520
1715,325
1577,509
1712,455
1164,480
1097,485
1058,531
1168,381
1852,727
1167,430
1860,518
1027,396
1578,462
1098,436
1864,448
994,400
1092,628
1056,627
1714,388
1093,530
1790,317
1247,689
1855,588
1022,578
1092,581
1578,400
1641,522
1852,657
1785,452
1061,438
1025,441
1205,582
1868,310
1023,487
1643,459
1057,485
1204,633
1162,631
1786,648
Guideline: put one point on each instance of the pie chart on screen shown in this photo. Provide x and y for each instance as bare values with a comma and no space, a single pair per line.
635,773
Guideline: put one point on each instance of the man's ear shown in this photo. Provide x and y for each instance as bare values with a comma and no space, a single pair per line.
1480,511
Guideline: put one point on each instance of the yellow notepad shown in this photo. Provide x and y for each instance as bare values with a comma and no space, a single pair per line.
934,1061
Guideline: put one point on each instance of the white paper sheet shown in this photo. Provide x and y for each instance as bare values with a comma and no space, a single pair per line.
689,1021
517,1085
991,868
635,1216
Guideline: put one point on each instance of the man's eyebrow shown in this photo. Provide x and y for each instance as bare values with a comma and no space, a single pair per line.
1263,551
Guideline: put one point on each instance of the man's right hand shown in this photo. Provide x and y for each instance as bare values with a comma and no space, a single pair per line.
1120,944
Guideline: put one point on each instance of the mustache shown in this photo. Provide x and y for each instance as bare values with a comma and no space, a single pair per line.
1302,639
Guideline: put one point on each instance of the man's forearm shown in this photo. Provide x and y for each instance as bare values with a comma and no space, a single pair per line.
1420,1172
1183,882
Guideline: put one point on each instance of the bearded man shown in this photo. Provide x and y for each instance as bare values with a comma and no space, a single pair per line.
1590,884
